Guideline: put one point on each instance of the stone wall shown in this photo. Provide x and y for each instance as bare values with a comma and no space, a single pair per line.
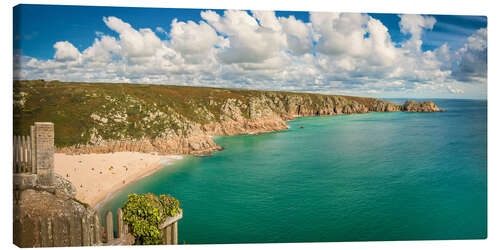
43,219
33,157
46,213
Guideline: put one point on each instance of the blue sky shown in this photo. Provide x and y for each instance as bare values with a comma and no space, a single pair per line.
37,29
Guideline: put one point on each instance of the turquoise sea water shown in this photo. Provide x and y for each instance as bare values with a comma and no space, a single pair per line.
377,176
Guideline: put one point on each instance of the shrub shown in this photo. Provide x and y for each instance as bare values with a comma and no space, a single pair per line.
145,213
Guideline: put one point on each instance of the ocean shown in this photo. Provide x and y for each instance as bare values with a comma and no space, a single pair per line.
363,177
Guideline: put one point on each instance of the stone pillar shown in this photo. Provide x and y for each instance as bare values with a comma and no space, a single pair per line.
108,220
119,223
97,230
174,233
44,150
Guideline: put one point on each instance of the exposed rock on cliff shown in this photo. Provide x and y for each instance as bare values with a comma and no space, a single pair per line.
194,142
426,106
64,187
102,118
382,106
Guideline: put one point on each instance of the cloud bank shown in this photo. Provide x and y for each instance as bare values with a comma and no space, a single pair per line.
342,53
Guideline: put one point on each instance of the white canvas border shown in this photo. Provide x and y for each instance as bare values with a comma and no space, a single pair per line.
477,7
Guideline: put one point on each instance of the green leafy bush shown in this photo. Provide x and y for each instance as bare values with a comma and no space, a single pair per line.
145,213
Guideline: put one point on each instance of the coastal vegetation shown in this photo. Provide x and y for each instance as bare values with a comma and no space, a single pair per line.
111,117
145,213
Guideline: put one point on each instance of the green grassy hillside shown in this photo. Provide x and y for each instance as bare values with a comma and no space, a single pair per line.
120,111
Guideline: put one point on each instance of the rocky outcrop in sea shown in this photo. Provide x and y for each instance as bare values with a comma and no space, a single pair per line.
426,106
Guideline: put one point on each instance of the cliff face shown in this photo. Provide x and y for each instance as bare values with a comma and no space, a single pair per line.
100,118
426,106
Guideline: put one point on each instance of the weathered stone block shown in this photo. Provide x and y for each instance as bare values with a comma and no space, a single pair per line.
24,180
119,223
97,230
109,226
44,156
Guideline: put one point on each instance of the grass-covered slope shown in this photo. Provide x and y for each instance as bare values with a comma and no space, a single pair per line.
89,113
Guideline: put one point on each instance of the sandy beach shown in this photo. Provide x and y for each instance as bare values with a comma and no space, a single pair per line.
96,176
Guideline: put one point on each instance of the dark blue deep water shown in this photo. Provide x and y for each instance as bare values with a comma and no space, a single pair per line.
377,176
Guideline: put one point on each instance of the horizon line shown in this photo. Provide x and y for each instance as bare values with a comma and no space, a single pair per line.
236,88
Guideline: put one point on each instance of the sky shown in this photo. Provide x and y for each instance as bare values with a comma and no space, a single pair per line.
364,54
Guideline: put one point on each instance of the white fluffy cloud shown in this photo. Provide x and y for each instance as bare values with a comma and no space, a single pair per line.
414,25
194,41
360,37
65,51
251,39
298,34
135,43
102,50
333,53
472,58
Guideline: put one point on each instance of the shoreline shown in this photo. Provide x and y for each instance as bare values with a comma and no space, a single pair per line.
167,160
117,188
97,177
95,198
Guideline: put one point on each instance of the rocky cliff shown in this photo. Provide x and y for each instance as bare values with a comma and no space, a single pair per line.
426,106
103,117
